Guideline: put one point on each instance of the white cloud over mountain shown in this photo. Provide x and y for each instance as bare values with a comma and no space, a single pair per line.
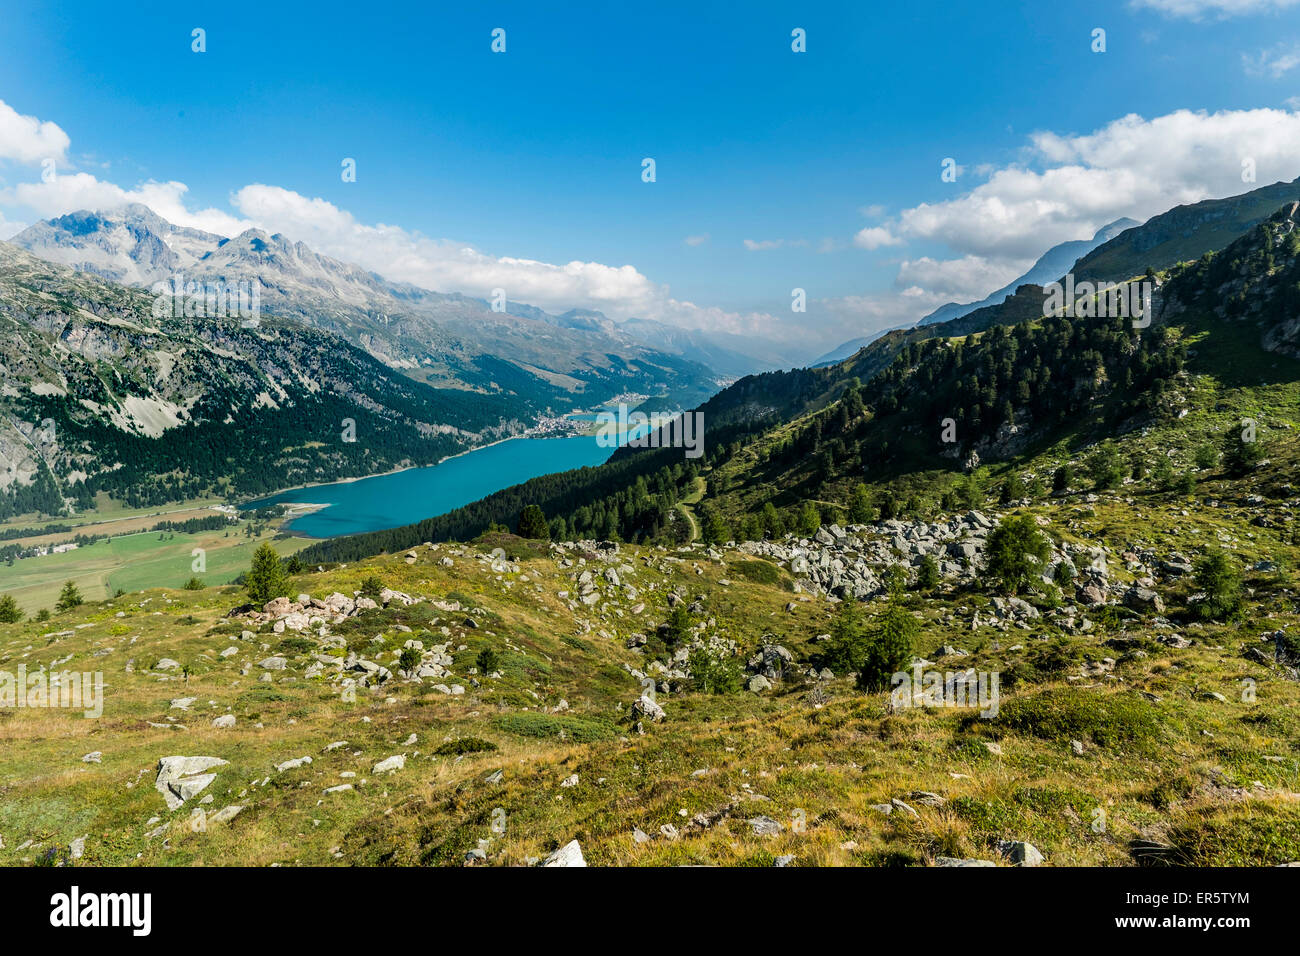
397,253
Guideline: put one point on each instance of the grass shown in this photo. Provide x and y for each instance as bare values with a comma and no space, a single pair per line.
1214,779
134,562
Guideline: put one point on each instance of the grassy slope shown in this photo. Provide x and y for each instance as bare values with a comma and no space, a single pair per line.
133,562
1215,779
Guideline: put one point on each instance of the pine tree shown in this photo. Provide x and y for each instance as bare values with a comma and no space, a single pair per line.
266,579
532,523
9,612
69,597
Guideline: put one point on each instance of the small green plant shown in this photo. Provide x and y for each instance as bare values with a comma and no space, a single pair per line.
714,669
677,628
1206,457
409,659
464,745
846,651
371,586
895,581
194,584
488,661
9,611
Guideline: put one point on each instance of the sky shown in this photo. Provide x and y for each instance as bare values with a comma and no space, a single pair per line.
774,169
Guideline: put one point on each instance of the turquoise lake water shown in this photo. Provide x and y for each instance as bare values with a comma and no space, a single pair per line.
405,497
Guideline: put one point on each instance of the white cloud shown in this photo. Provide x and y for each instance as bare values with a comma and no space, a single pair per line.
10,229
962,280
1221,9
873,237
1275,63
26,139
761,245
438,264
697,240
1131,167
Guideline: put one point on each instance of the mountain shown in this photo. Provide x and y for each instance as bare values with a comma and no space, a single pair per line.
1183,233
446,340
1051,265
847,349
101,395
729,354
1013,383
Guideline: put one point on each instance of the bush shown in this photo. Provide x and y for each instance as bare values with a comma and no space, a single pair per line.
895,580
464,745
1016,550
69,597
715,670
760,572
488,662
551,726
888,648
678,626
1062,478
927,574
1241,456
1207,456
9,612
371,586
1070,713
846,651
409,659
194,584
1219,577
1105,468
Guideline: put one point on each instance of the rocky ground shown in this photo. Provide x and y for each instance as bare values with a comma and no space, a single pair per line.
342,726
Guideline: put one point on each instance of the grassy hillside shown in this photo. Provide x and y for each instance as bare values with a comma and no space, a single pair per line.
1121,737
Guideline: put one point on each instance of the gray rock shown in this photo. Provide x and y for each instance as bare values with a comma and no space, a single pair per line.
1020,853
390,764
765,826
568,855
180,778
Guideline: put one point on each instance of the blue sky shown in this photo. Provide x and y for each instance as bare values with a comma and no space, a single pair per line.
535,154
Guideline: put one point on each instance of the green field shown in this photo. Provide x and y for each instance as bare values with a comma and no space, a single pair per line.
134,562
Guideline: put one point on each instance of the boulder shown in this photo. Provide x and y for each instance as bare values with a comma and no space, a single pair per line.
568,855
180,778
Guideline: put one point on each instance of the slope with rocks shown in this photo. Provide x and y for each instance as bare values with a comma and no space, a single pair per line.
498,703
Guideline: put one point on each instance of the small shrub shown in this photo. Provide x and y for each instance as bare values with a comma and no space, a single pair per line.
488,661
464,745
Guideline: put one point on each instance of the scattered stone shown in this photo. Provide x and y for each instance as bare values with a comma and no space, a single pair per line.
568,855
